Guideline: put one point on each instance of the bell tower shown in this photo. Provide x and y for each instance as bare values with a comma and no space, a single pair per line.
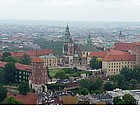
68,47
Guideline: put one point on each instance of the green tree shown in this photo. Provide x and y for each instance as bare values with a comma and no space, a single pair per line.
26,59
95,64
24,88
10,72
134,83
108,86
85,83
11,59
128,73
56,46
2,80
83,91
5,55
11,101
61,75
3,93
136,73
121,81
114,79
129,99
118,101
56,86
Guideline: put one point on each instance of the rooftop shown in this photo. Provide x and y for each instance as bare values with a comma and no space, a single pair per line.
29,99
37,60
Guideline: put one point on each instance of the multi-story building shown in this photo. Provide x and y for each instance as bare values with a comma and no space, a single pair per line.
137,55
49,60
33,54
22,71
39,75
114,61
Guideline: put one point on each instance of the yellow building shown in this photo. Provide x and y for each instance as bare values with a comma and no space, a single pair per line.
113,63
69,100
49,60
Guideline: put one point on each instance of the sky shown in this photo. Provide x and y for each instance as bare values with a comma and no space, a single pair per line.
71,10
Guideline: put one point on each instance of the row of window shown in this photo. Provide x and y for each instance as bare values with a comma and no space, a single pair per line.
129,66
121,63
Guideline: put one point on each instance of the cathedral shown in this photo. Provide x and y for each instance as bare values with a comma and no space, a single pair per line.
71,51
76,54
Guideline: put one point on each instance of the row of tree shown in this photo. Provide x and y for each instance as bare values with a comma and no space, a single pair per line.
56,46
88,86
127,79
6,57
23,89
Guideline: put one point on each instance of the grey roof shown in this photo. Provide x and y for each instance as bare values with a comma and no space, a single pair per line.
48,56
88,48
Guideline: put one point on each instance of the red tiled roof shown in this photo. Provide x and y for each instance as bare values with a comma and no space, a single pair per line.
34,53
23,67
37,60
98,54
2,64
18,66
115,52
29,99
121,57
125,46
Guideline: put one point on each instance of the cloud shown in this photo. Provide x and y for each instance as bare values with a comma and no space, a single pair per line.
71,9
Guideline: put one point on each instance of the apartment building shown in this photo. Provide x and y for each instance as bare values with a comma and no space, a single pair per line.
112,63
49,60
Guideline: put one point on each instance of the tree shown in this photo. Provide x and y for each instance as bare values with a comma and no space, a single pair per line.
114,79
2,80
129,99
24,88
95,64
108,86
85,83
5,55
83,91
3,93
10,59
11,101
118,101
121,81
134,83
128,73
61,75
10,72
26,59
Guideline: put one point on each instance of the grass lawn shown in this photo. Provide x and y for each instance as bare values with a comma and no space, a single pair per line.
52,72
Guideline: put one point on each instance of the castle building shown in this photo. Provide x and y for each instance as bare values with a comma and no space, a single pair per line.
39,75
49,60
68,48
115,60
70,53
137,55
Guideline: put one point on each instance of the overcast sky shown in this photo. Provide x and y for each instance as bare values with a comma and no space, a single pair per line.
68,10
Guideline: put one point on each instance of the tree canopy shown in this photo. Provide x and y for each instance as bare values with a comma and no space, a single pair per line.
23,88
26,59
10,72
127,99
95,64
3,93
11,101
5,55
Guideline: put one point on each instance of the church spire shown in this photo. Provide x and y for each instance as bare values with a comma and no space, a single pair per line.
89,40
67,34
